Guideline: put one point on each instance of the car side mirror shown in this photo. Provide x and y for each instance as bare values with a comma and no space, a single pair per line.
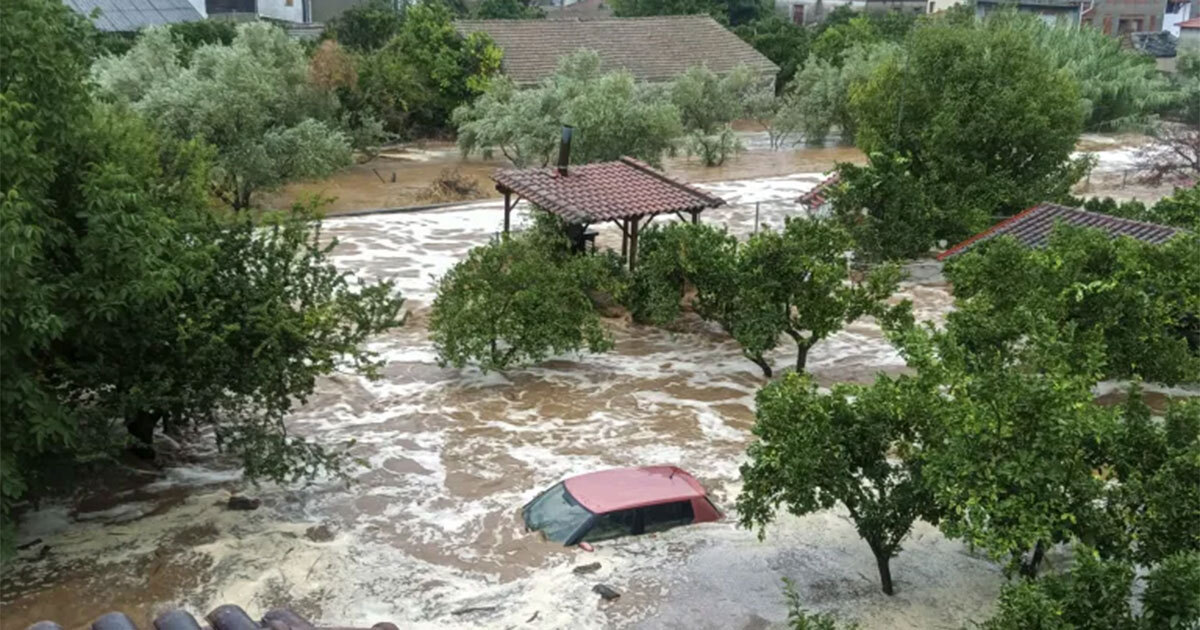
586,546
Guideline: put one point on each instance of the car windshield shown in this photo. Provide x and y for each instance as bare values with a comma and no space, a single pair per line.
556,513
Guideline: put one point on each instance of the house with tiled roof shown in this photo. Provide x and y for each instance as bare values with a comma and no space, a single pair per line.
1033,227
1189,35
652,49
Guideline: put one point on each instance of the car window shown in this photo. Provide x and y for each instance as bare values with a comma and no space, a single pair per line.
556,513
656,518
613,525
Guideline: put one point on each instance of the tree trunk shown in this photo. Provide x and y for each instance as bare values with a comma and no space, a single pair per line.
761,363
1029,568
882,561
141,427
801,356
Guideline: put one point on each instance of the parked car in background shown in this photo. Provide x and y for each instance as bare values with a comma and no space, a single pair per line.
618,502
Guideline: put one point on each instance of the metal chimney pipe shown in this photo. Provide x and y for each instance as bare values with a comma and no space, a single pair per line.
564,149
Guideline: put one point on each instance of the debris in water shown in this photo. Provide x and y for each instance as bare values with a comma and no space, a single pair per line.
587,568
607,593
319,533
535,616
238,502
473,609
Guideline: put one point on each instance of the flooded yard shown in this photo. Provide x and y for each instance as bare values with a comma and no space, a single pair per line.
427,535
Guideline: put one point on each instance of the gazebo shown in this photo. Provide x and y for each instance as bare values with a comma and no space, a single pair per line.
628,192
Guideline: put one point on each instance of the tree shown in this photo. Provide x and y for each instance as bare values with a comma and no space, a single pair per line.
1011,466
507,10
926,105
732,12
1173,156
822,89
1187,82
779,40
793,282
707,105
1118,88
250,100
450,69
1137,300
130,305
519,299
885,209
817,450
192,35
365,26
1095,595
612,115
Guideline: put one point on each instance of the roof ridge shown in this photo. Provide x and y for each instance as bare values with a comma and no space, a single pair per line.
577,18
661,176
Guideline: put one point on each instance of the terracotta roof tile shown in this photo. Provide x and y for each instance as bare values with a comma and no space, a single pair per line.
605,190
652,49
1192,23
1033,227
816,197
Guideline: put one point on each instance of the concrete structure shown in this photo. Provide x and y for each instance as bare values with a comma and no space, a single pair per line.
1069,12
1118,17
814,11
127,16
1189,35
1178,11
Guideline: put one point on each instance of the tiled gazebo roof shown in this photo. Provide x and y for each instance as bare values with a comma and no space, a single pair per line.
604,191
1033,227
819,194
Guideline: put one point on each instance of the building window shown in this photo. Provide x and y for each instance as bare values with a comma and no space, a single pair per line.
931,7
288,2
798,14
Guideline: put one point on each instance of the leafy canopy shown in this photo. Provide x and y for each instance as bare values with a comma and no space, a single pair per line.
612,116
817,450
987,123
520,299
250,100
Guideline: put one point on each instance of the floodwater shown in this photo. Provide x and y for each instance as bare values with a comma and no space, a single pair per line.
427,535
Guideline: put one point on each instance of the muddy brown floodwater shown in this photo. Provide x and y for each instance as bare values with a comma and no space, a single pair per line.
428,537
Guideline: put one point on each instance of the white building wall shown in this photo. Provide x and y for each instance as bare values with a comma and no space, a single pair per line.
288,10
1189,39
1171,20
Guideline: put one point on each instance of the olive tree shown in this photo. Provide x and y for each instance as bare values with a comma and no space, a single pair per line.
250,100
854,446
612,114
708,103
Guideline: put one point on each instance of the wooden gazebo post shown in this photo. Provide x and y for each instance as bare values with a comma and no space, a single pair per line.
633,241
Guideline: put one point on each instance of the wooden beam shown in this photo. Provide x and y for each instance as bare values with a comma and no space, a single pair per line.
695,217
507,209
633,243
624,240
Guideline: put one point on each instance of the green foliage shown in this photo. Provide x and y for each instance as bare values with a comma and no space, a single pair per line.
1138,301
251,101
817,450
192,35
1187,82
987,123
1095,595
449,70
884,208
707,103
130,305
1181,209
800,619
732,12
1119,88
1172,597
779,40
821,92
612,116
507,10
794,282
520,299
366,26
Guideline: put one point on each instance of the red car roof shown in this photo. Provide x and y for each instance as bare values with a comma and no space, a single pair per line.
625,488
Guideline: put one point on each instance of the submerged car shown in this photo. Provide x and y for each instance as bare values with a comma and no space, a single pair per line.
618,502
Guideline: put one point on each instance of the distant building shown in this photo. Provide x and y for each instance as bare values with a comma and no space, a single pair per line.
1118,17
586,9
1177,11
1068,12
652,49
814,11
1189,35
127,16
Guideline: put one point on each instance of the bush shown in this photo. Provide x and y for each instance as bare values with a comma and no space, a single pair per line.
451,185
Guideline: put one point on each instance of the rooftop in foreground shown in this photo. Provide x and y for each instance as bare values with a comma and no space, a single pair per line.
625,488
1033,227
